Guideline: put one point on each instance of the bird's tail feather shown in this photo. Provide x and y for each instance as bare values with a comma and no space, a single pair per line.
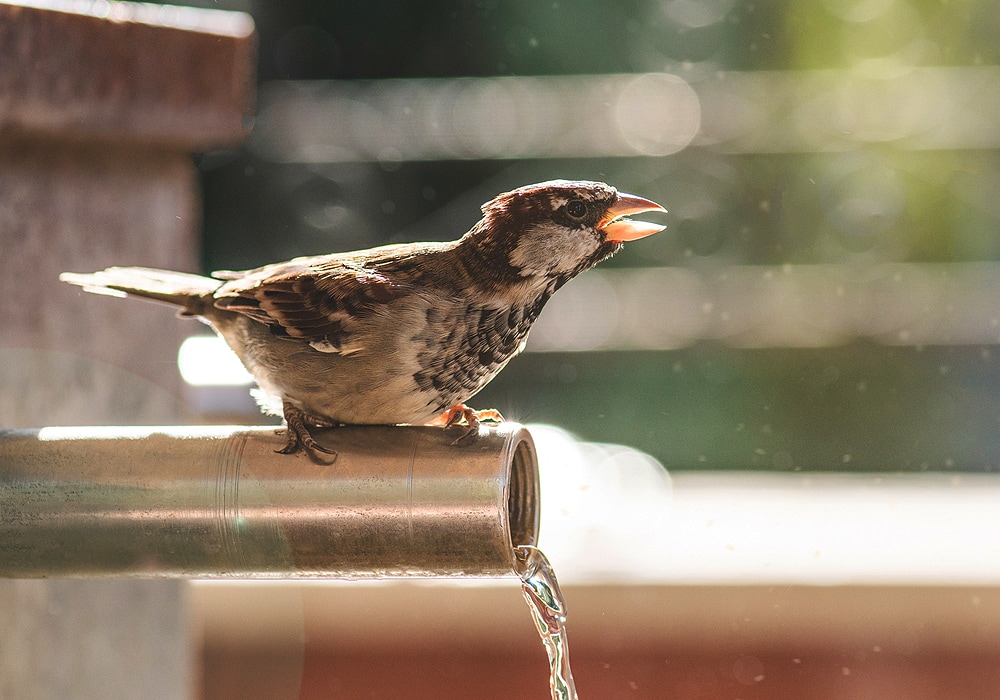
191,292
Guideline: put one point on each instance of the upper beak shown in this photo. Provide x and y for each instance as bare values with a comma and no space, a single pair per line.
617,229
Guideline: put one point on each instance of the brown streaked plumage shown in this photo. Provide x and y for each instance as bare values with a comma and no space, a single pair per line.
401,333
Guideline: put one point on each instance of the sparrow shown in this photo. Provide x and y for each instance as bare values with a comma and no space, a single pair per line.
399,334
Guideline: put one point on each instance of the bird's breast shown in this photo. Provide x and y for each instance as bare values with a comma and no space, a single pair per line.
414,361
461,355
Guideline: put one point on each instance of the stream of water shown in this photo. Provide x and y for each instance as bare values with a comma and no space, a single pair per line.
548,610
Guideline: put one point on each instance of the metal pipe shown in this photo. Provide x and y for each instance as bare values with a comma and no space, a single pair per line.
397,501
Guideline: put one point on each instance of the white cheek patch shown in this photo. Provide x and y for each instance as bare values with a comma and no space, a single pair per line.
548,249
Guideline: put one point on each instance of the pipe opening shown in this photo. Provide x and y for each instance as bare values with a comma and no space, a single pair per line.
522,498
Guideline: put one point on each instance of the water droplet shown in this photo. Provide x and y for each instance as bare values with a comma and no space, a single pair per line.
748,670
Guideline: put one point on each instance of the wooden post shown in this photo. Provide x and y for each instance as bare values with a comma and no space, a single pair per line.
100,111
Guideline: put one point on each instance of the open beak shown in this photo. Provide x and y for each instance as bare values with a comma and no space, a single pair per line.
618,229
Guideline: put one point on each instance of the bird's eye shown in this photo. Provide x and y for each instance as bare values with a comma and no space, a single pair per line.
576,209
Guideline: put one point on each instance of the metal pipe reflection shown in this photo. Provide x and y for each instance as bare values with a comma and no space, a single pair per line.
398,501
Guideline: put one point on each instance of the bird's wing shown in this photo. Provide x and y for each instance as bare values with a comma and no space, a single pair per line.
319,300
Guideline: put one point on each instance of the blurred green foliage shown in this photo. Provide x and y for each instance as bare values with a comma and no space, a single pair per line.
859,407
315,39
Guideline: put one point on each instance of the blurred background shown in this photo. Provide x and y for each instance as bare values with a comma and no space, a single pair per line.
811,348
824,295
824,299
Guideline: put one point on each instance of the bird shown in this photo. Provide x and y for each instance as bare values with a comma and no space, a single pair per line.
401,333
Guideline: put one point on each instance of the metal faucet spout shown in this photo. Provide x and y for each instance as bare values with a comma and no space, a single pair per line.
218,502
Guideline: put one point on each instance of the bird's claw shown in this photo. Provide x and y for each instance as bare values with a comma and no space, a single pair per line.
297,436
472,419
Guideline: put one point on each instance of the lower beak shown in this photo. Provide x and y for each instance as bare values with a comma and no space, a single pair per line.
618,229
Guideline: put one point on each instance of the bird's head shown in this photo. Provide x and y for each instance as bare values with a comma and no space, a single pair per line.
558,229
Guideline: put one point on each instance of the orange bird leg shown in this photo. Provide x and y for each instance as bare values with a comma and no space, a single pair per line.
472,418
